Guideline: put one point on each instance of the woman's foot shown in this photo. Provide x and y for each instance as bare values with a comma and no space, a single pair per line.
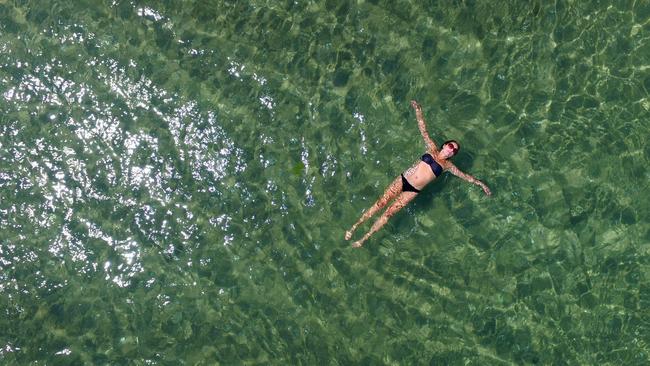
348,234
357,244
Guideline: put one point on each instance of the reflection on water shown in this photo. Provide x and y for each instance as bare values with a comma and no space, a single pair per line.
175,181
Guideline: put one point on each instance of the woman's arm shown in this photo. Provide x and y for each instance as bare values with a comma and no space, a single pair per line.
431,146
457,172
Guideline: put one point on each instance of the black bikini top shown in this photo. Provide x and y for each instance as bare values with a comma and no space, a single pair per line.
435,167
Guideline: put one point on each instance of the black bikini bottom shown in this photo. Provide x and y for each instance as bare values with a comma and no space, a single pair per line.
407,187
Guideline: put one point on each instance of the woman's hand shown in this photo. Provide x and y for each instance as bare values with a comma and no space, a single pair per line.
485,188
416,106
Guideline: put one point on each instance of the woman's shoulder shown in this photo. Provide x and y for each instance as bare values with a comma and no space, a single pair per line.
446,164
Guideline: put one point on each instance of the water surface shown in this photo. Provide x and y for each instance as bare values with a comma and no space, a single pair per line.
176,179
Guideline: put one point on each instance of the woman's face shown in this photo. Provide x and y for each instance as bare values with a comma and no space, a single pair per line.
449,149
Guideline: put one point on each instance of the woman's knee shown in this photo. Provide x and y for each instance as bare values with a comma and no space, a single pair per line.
392,211
398,205
383,201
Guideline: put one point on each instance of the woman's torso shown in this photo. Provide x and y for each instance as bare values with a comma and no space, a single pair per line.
421,173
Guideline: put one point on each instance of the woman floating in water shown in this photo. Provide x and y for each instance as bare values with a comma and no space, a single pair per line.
404,189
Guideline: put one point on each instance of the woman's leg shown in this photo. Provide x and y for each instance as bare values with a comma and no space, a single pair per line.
391,192
399,203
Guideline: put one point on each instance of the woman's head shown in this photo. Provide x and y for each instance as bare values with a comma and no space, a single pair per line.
450,148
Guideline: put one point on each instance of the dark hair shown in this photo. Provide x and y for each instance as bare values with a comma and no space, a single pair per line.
455,142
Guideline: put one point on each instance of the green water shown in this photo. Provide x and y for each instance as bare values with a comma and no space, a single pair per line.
176,178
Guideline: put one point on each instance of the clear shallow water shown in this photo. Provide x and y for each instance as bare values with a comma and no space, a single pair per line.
176,180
